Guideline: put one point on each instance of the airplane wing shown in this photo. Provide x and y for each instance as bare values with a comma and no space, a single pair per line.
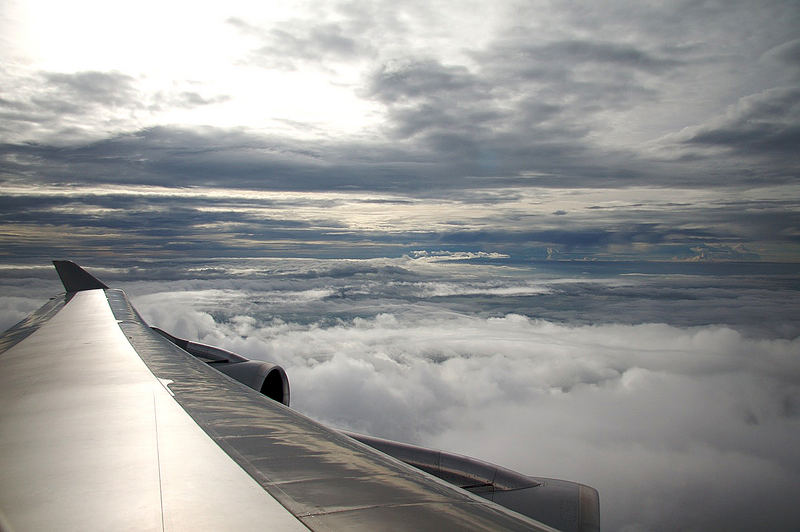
106,424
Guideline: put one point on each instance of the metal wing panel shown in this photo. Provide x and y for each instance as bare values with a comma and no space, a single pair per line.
90,439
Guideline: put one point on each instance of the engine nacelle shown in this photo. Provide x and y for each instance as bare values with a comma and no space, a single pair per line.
564,505
269,379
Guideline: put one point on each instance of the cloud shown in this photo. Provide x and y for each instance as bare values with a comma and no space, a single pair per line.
766,124
14,309
626,408
532,101
723,252
436,256
295,44
574,51
516,223
187,100
787,53
409,80
89,88
513,95
48,104
67,110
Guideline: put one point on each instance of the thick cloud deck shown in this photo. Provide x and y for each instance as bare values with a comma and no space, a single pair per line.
683,423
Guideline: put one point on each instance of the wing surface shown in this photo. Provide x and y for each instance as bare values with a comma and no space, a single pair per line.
105,425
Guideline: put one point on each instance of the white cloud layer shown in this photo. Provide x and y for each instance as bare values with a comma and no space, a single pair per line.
679,428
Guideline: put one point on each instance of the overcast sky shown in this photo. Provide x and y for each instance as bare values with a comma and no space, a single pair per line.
616,130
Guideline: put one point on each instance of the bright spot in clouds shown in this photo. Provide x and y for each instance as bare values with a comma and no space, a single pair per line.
175,48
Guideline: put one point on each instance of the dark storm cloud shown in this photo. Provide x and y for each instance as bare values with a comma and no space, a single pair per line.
531,100
573,65
503,115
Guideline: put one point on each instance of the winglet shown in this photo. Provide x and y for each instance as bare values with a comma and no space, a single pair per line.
75,278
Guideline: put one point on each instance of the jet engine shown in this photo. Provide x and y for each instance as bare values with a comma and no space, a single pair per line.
564,505
269,379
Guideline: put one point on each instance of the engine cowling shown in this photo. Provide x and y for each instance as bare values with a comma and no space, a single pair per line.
265,377
269,379
564,505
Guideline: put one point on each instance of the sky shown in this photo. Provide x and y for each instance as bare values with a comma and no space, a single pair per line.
563,237
617,131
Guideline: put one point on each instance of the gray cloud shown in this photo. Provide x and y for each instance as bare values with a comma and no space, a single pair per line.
88,88
294,44
535,99
172,221
68,110
787,53
187,100
767,123
422,79
52,103
576,52
543,97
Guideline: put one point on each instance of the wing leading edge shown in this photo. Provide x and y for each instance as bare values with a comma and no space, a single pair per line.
106,424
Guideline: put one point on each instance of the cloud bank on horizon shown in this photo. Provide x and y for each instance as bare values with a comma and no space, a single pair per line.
664,131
